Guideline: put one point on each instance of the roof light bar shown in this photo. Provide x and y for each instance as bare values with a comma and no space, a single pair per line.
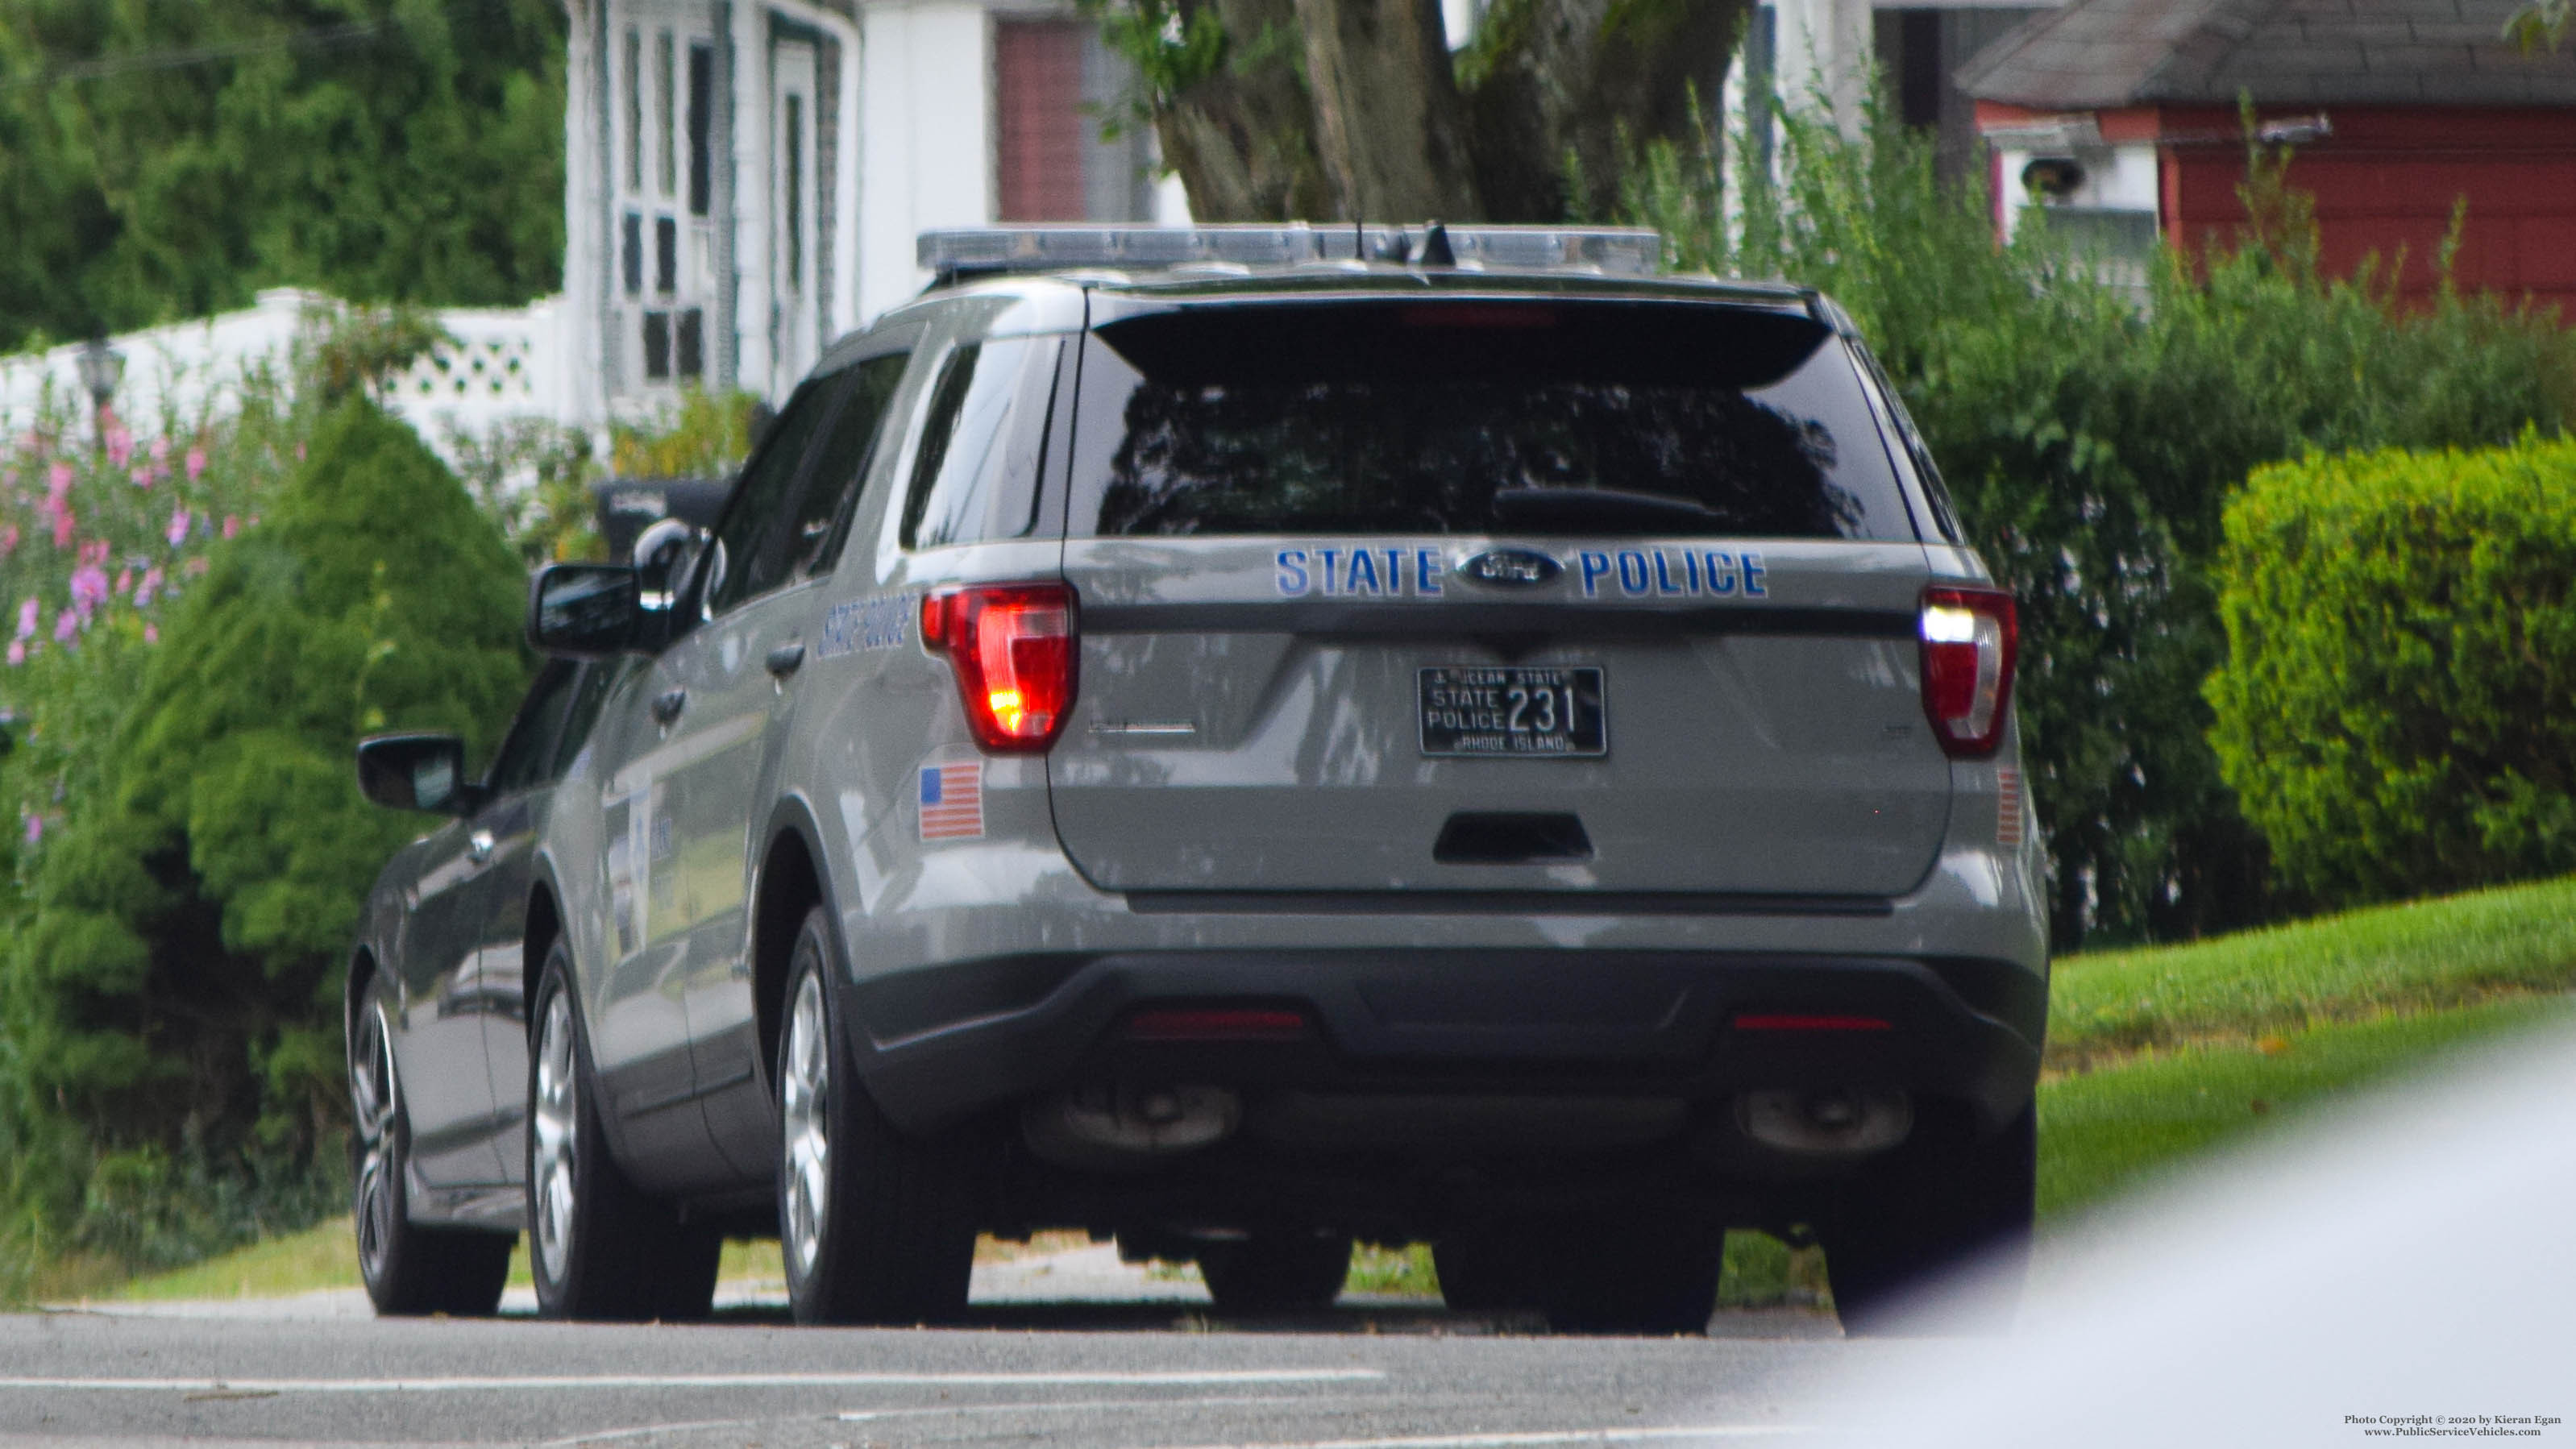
983,250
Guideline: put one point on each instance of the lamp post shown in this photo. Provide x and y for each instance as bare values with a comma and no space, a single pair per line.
101,368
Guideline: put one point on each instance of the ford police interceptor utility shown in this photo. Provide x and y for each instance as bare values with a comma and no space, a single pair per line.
1247,739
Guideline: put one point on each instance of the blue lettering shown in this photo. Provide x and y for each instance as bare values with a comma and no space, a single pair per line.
1632,571
1427,569
1325,556
1594,566
1721,572
1394,570
1663,575
1363,565
1690,562
1753,576
1292,571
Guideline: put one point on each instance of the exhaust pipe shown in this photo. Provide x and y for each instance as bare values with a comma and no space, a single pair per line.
1836,1122
1108,1127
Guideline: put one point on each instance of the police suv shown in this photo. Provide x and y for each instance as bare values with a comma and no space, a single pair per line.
1249,739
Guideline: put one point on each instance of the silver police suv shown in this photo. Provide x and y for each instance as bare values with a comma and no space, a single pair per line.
1249,739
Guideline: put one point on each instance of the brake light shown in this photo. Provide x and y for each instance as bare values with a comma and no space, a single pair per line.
1217,1023
1970,638
1012,647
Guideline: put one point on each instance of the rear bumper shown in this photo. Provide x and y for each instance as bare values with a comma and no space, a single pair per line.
944,1043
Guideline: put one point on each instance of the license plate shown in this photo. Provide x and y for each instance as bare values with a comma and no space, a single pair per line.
1518,713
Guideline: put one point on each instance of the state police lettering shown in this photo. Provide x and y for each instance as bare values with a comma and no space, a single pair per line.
1679,573
878,623
1340,571
1362,572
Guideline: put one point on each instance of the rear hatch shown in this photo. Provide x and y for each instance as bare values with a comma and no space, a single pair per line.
1502,592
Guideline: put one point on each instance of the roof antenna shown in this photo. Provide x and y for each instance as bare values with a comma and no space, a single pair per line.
1435,246
1359,241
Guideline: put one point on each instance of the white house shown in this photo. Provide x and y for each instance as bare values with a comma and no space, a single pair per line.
745,178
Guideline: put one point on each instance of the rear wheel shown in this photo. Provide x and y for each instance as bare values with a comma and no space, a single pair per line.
1486,1269
1613,1273
875,1226
408,1268
1275,1272
1938,1205
597,1246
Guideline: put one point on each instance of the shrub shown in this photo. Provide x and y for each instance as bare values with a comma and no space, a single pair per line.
2398,708
171,983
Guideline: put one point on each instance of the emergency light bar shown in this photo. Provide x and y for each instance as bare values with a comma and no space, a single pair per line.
985,250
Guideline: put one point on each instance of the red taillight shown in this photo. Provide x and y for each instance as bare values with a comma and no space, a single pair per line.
1970,637
1217,1023
1012,646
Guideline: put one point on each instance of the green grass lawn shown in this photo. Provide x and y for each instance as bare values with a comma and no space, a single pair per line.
2155,1055
2411,958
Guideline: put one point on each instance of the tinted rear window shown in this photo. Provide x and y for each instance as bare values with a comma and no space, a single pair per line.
1478,417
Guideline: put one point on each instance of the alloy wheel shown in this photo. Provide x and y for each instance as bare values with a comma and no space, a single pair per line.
554,1137
805,1085
371,1117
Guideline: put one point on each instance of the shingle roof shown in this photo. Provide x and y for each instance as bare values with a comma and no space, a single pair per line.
2100,53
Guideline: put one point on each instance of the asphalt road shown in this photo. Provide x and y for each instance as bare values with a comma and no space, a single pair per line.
1156,1376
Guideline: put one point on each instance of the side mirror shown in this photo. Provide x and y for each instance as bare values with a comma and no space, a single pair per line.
664,553
415,772
584,611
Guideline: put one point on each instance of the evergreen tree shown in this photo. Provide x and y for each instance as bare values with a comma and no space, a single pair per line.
174,994
164,159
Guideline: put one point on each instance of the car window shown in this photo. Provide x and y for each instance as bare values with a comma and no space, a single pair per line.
750,555
822,518
976,474
1484,417
589,697
527,756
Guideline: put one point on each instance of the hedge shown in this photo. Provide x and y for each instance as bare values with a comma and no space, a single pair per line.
2398,708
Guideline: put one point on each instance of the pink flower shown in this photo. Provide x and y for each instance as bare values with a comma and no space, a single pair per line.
196,464
160,450
124,582
27,619
66,624
58,478
178,530
35,823
17,652
89,589
232,526
8,540
120,445
151,633
142,477
147,586
62,528
95,551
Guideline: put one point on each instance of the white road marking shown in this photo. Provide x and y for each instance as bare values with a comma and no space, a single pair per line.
859,1416
1541,1437
525,1382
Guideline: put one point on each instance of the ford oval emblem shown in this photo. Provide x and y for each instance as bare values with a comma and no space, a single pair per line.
1510,568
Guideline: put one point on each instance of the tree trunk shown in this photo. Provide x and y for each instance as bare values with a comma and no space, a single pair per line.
1570,89
1379,124
1242,136
1390,127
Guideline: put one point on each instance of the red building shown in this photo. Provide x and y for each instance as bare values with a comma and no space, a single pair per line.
2121,117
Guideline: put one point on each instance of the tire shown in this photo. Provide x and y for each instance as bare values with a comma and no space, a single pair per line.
874,1226
1617,1273
1276,1272
408,1268
1486,1269
1937,1207
598,1248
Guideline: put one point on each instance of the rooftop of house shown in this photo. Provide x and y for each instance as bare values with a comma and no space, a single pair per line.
2101,54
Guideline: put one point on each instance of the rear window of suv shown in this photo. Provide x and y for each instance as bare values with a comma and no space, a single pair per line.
1478,417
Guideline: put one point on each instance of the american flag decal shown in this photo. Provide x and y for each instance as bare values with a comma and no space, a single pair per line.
2007,807
952,801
